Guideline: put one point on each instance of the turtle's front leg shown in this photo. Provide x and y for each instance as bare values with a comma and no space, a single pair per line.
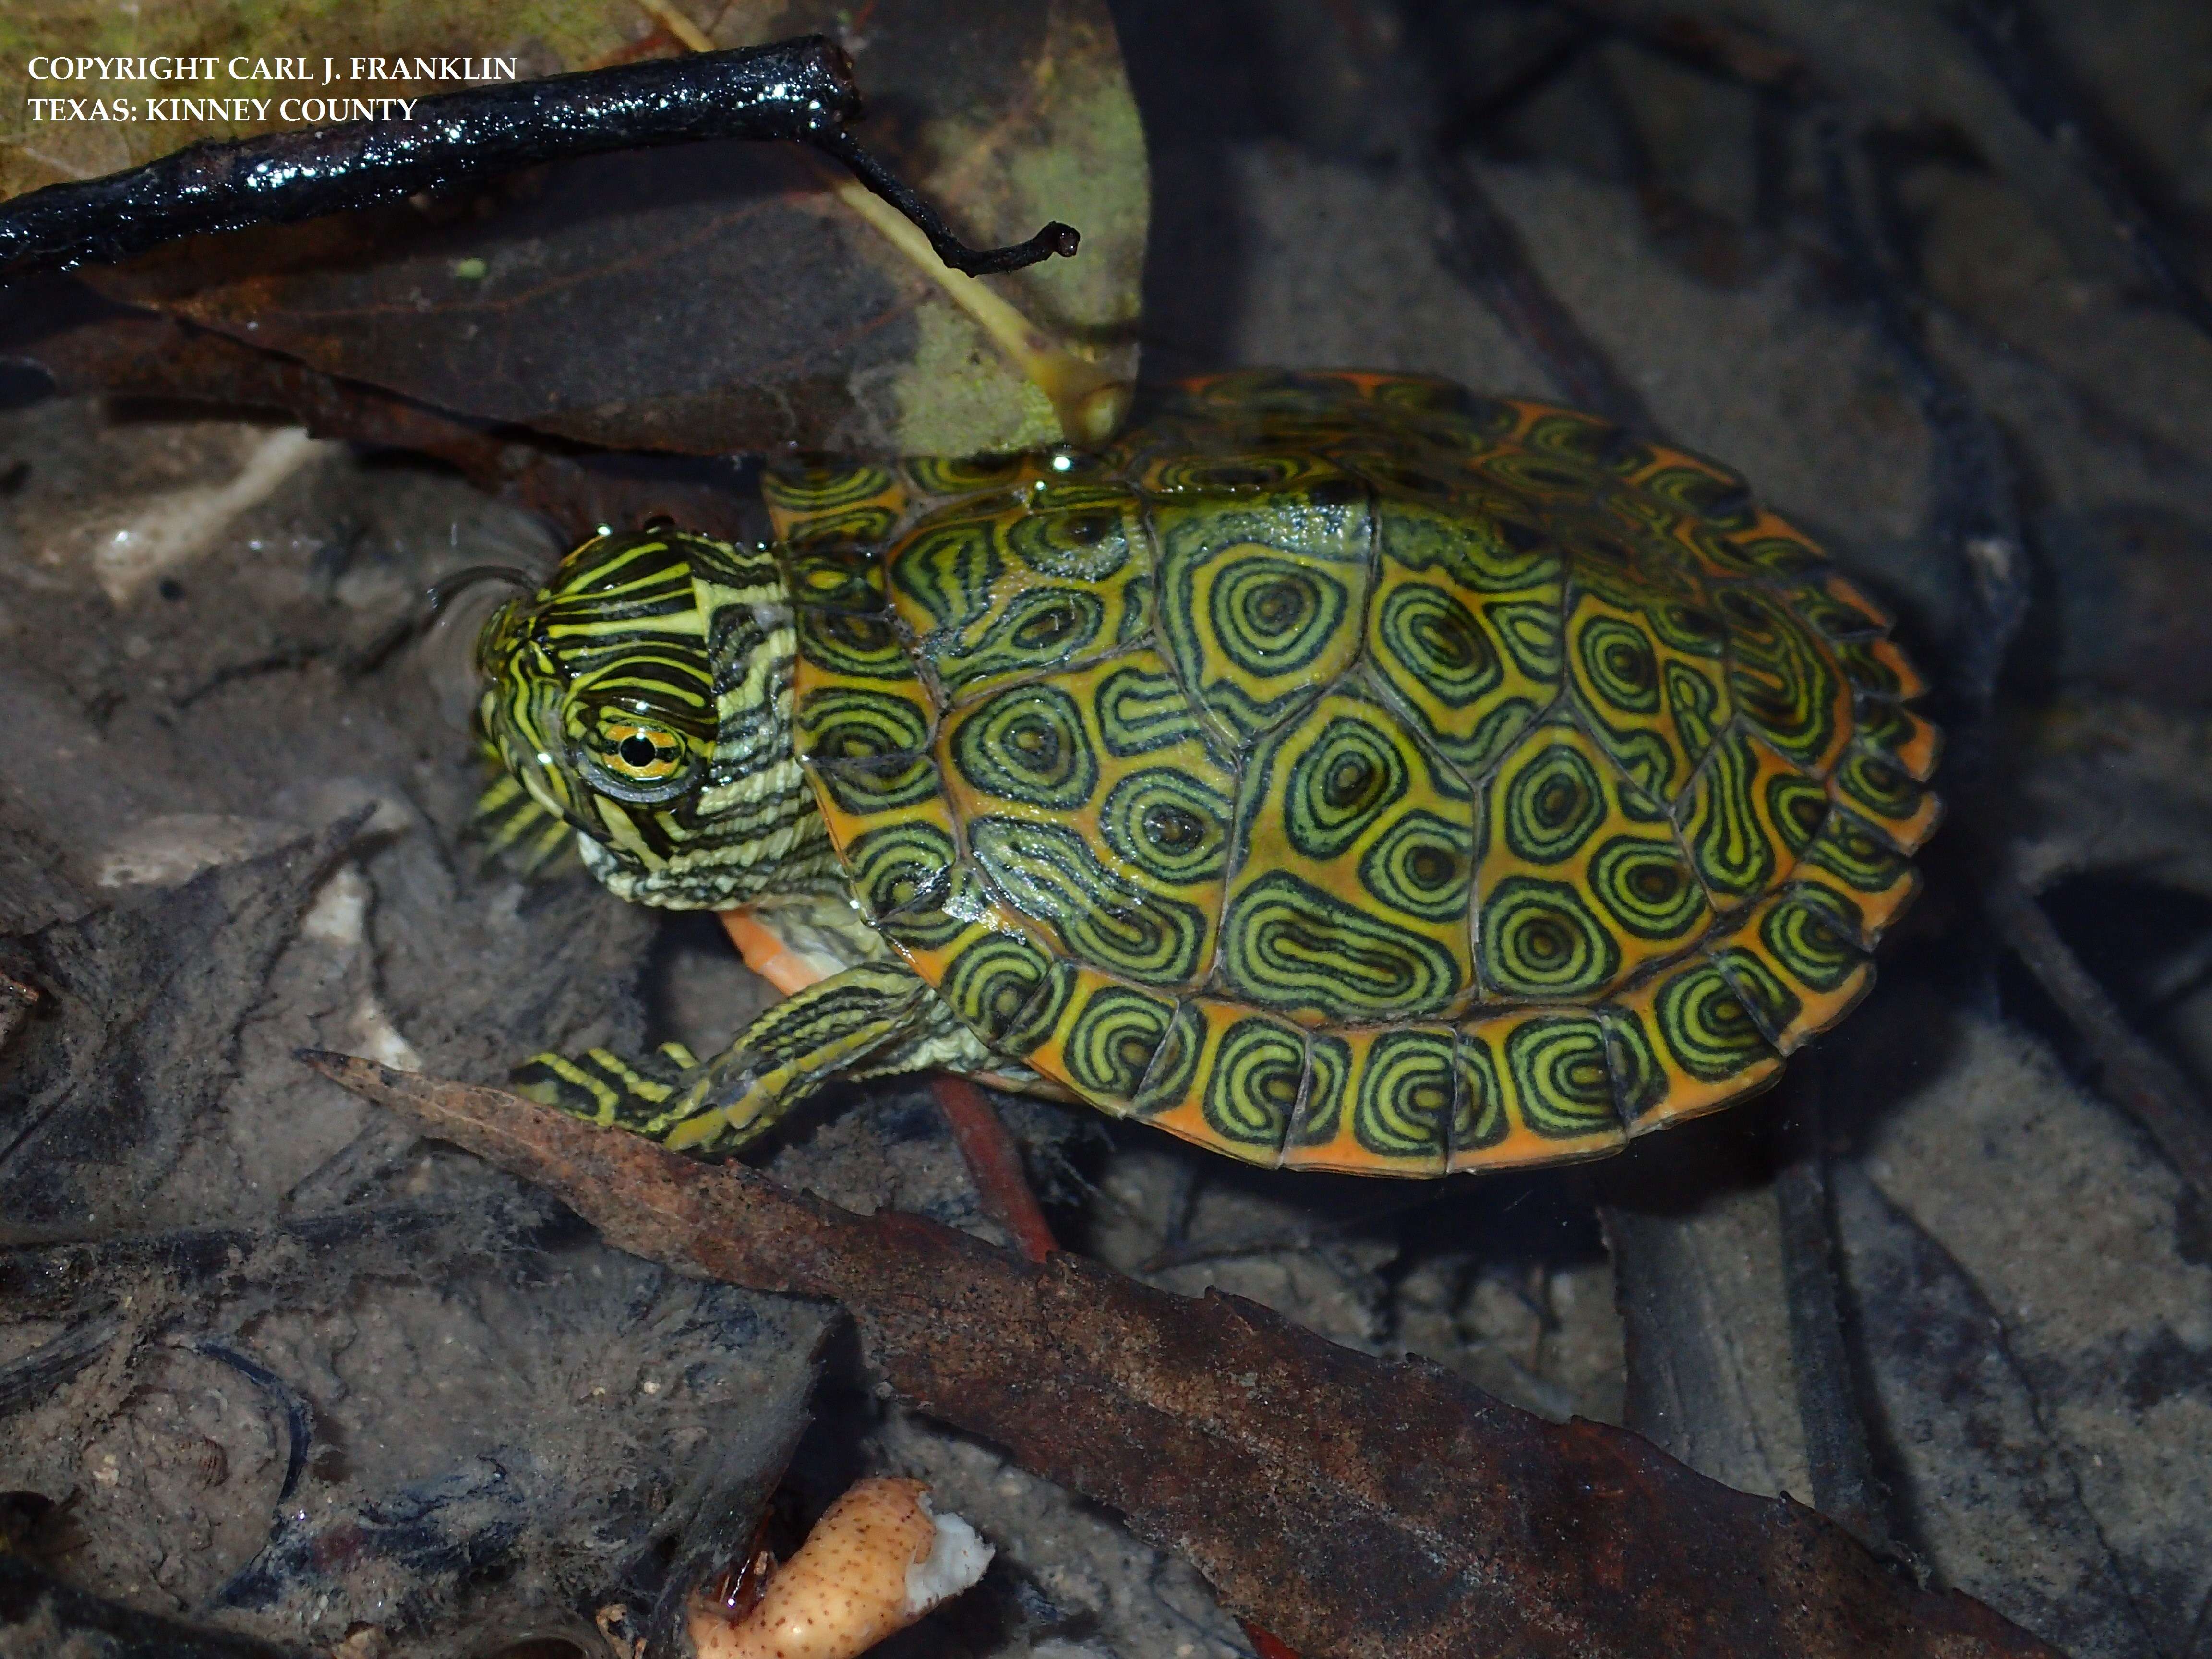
866,1013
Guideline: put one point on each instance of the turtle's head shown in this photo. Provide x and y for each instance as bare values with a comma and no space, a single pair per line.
643,694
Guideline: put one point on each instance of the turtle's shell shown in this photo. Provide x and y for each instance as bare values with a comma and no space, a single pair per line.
1347,772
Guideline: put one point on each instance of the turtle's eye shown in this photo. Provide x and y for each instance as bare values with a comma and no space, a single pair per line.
645,752
633,757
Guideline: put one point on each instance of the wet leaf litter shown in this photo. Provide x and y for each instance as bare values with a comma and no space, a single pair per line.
1357,1506
1808,412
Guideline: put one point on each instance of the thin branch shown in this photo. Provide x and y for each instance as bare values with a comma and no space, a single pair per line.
1054,238
799,91
2131,1073
1976,518
1713,44
2018,58
1482,248
1836,1449
994,1164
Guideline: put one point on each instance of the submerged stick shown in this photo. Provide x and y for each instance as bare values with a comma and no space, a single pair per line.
2005,37
994,1164
1836,1452
2131,1073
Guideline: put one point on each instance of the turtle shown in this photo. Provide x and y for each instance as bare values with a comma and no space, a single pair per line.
1341,771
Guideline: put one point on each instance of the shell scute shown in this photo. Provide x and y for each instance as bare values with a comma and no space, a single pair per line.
1227,1075
1463,629
1094,913
1734,818
1103,1036
1540,1090
1347,772
817,499
1795,967
1116,851
989,596
1262,598
966,942
1507,552
1867,877
1583,880
1358,850
1685,1044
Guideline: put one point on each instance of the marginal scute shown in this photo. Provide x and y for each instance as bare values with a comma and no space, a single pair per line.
1348,772
1104,1038
1855,862
1871,782
1228,1076
1684,1044
1903,735
1554,1097
1389,1099
1795,965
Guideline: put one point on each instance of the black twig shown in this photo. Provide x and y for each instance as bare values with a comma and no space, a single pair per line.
799,91
274,662
299,1414
1054,238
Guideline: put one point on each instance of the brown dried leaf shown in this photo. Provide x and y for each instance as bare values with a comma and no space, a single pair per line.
710,298
1354,1506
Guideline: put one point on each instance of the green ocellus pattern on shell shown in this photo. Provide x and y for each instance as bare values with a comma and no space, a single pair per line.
1348,772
